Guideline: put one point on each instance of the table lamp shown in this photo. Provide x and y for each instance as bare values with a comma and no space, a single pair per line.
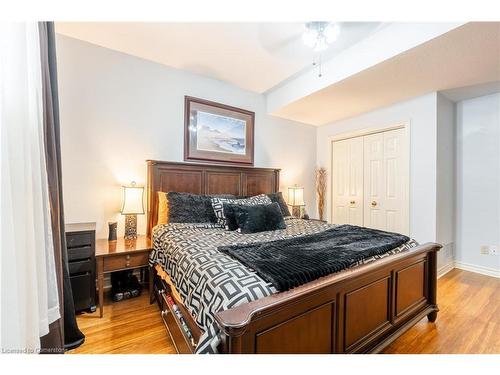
132,206
296,199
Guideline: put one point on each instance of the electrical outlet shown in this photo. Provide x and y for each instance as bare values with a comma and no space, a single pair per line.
488,249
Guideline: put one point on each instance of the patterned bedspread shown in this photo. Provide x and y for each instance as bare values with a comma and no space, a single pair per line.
210,281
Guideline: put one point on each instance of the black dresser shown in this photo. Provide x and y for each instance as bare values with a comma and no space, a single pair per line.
80,241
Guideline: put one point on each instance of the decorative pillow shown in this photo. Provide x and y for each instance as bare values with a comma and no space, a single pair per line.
278,198
258,218
162,208
218,205
191,208
231,223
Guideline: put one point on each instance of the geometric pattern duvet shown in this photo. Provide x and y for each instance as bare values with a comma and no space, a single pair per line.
209,281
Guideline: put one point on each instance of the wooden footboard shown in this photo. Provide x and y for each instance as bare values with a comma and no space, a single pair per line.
358,311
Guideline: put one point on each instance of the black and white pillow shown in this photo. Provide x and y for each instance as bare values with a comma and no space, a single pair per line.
218,205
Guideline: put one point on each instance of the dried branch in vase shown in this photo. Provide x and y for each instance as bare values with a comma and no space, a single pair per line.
321,191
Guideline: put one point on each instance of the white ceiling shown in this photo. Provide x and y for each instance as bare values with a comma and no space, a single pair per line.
270,58
465,56
253,56
474,91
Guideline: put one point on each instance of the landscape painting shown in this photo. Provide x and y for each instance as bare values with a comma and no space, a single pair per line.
217,132
220,134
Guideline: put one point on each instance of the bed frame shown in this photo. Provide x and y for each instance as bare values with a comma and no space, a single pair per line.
361,310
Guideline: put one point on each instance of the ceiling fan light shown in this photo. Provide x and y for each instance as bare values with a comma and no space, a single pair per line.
321,45
310,37
331,33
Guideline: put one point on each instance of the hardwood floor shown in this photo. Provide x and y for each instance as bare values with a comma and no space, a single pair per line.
127,327
468,322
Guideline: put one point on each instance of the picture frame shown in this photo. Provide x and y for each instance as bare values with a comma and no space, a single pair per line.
215,132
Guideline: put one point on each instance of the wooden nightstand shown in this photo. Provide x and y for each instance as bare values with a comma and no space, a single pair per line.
121,255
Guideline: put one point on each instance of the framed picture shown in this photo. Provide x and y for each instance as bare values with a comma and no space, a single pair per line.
215,132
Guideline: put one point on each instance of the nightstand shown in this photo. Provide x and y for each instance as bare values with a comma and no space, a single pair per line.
80,243
121,255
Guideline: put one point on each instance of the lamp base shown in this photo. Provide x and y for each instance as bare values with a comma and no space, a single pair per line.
297,211
130,227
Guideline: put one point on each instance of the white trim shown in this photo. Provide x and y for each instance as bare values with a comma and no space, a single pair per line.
368,131
487,271
443,270
478,269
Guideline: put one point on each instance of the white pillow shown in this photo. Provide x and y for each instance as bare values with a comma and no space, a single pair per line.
218,205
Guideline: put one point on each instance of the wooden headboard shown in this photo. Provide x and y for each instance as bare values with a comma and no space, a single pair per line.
205,179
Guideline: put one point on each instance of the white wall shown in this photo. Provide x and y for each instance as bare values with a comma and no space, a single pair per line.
421,114
446,180
478,181
118,110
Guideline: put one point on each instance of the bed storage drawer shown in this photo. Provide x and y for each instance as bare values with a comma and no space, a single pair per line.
175,332
178,324
180,338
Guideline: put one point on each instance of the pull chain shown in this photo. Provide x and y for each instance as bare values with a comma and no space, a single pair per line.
318,64
319,67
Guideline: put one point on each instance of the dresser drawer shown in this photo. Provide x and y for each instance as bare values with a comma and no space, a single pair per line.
81,239
125,261
81,266
80,253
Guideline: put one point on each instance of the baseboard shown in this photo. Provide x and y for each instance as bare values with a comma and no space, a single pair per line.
443,270
478,269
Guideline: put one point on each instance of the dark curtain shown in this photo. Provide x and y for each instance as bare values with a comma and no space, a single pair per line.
65,335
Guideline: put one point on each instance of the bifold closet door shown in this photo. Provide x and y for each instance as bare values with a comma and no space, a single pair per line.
347,181
386,181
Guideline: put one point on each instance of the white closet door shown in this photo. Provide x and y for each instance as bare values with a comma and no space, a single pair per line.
396,164
386,181
374,181
347,181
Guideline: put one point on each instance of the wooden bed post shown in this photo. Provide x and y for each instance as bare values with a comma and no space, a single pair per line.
433,286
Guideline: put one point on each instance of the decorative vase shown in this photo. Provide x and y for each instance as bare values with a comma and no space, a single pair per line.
321,191
112,231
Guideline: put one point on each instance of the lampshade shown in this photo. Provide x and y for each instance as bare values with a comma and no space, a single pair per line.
132,200
296,196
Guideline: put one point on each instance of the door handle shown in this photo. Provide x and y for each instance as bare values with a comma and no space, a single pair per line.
374,203
353,202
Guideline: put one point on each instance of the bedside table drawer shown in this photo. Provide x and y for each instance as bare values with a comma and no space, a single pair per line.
125,261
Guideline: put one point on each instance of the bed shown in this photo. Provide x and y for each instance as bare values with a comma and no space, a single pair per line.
358,310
